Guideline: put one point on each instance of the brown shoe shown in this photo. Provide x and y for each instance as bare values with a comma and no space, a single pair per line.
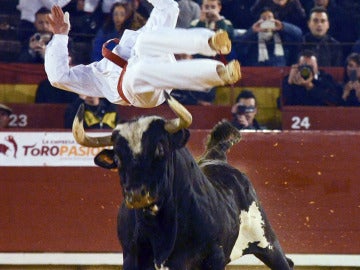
231,73
220,42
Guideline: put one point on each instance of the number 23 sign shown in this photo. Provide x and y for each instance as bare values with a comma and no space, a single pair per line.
18,120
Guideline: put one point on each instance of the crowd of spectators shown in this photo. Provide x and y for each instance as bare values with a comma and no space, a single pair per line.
326,26
288,33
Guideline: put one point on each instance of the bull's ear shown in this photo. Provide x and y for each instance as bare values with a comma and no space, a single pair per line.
180,138
105,159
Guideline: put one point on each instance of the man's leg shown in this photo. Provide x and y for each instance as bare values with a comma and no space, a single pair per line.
197,74
178,41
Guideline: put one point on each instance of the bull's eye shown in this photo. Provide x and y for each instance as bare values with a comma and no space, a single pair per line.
159,151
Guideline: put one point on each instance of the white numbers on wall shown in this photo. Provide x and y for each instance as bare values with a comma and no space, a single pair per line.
18,120
300,123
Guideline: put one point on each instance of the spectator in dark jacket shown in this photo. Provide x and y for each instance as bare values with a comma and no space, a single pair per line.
122,17
244,111
269,42
327,49
339,20
306,85
351,86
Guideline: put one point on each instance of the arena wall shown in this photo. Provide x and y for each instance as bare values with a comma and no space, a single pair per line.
307,182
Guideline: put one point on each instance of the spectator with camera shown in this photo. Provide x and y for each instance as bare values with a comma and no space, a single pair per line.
32,19
34,51
351,88
211,18
244,111
306,85
269,42
327,49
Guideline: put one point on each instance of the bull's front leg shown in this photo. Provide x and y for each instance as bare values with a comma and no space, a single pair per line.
216,259
142,262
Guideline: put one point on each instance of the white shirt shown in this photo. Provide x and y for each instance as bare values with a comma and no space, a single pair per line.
98,79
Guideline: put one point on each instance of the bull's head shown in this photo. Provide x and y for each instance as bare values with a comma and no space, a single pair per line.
141,152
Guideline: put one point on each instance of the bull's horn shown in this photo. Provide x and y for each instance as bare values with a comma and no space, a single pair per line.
183,121
80,135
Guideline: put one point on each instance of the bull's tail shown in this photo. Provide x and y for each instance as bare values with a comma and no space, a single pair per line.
222,137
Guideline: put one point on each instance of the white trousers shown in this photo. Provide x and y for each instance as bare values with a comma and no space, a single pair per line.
153,68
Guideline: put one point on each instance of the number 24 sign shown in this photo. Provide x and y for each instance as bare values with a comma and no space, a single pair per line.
300,122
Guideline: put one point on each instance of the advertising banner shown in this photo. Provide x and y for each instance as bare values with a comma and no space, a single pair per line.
57,149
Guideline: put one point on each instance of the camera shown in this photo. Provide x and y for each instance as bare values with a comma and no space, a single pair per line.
306,71
37,36
267,25
242,109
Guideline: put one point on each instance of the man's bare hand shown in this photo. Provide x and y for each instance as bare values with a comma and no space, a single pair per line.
59,21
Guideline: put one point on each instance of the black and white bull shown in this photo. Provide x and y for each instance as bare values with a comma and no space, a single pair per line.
178,213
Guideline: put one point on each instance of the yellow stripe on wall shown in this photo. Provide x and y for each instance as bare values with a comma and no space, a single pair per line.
17,93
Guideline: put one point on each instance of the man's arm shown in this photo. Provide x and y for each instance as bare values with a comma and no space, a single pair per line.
80,79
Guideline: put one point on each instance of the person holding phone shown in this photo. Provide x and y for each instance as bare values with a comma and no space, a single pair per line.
33,52
351,88
269,42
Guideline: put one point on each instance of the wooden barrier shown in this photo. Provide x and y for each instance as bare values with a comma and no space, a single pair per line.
307,182
37,116
320,118
18,84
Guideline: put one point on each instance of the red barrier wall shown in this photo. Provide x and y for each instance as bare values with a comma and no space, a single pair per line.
320,118
52,115
308,183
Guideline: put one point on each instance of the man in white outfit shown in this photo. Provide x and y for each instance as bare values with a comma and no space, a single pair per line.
151,66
